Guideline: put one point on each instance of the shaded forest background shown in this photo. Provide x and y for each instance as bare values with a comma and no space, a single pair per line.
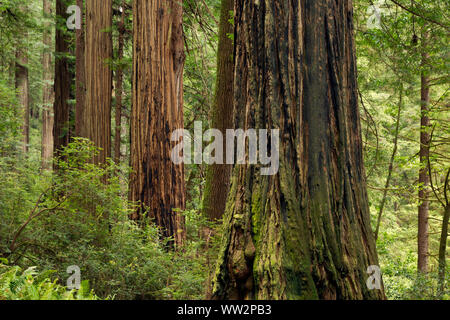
62,213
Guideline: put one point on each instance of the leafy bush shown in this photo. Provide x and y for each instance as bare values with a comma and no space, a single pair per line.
17,284
80,220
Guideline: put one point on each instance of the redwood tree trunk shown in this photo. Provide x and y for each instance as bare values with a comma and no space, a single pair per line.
97,111
305,232
80,86
218,175
47,92
63,81
156,182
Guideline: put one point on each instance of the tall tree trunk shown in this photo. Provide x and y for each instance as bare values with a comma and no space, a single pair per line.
23,88
47,91
156,182
97,112
304,232
80,86
119,88
218,175
63,81
424,178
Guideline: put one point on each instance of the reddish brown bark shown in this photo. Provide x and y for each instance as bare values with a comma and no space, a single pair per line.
156,183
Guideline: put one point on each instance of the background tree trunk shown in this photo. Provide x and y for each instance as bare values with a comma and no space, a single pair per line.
63,80
305,232
218,175
156,182
119,88
23,92
97,112
80,86
47,91
424,178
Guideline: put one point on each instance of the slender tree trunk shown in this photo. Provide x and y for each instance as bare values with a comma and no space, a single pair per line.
119,89
156,182
305,232
218,175
23,88
47,91
63,81
391,165
80,87
444,236
424,179
97,112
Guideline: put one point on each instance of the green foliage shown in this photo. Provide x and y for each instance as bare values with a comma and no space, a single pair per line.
84,222
18,284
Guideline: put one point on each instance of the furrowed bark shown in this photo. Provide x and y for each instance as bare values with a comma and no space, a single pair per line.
156,183
80,65
218,175
63,80
305,232
98,54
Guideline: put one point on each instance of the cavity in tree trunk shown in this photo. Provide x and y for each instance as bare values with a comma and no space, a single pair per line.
218,175
424,179
96,124
63,80
305,232
47,91
156,182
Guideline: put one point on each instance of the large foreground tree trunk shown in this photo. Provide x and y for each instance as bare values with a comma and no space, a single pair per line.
218,175
156,182
96,124
304,232
47,91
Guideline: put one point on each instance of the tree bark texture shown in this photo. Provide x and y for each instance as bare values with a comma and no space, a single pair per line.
98,75
218,175
156,183
63,80
305,232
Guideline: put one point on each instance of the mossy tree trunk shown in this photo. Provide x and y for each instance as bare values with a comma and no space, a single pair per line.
156,183
218,175
305,232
